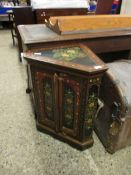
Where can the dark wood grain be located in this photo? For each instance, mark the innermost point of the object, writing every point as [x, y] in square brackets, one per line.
[104, 7]
[44, 14]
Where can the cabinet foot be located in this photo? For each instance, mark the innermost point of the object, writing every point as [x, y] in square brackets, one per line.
[28, 90]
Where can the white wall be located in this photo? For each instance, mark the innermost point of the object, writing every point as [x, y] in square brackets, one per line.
[126, 7]
[59, 4]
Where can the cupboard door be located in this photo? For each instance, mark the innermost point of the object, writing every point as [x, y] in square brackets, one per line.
[69, 102]
[46, 89]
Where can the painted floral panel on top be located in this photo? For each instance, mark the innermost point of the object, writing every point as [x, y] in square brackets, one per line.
[69, 54]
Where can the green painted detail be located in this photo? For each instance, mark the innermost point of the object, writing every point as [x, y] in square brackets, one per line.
[48, 99]
[69, 54]
[68, 107]
[91, 107]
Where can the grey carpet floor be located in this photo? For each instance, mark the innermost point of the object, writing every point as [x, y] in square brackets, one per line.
[24, 150]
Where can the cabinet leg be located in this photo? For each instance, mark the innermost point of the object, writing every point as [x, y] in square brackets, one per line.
[129, 56]
[28, 90]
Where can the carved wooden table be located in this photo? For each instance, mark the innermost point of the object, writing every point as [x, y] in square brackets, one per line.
[66, 81]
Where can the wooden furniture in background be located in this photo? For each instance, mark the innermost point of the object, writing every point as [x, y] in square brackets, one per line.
[21, 15]
[119, 7]
[42, 14]
[66, 83]
[36, 36]
[4, 8]
[83, 24]
[104, 7]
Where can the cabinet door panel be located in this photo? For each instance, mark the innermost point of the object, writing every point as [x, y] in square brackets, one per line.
[90, 111]
[88, 107]
[45, 88]
[69, 100]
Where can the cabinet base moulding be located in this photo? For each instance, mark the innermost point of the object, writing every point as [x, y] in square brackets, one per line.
[64, 138]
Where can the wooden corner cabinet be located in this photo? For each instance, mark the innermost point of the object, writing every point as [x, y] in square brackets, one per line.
[66, 83]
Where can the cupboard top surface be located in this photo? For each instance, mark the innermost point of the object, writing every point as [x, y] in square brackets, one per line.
[39, 33]
[72, 56]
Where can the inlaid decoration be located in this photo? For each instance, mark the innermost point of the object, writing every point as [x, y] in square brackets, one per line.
[48, 98]
[69, 101]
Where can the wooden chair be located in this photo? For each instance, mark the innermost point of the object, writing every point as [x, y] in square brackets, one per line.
[20, 15]
[11, 24]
